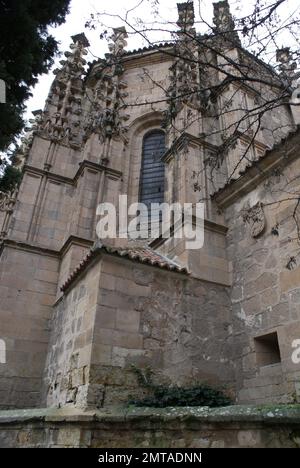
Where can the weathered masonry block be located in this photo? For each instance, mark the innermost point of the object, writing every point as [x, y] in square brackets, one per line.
[77, 312]
[196, 428]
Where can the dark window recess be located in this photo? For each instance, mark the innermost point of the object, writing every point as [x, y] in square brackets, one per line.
[267, 349]
[153, 169]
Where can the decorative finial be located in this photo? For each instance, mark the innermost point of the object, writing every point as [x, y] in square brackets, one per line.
[108, 116]
[287, 66]
[224, 21]
[81, 39]
[118, 45]
[73, 67]
[186, 17]
[61, 120]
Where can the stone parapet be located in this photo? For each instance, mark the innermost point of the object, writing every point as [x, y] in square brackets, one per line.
[231, 427]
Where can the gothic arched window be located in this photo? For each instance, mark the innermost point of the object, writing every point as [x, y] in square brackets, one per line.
[153, 169]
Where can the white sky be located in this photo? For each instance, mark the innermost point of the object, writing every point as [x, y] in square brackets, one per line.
[80, 13]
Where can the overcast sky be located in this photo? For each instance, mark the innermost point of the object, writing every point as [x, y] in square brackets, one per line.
[81, 10]
[75, 23]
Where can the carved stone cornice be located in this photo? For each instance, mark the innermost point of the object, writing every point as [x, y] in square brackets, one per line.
[280, 156]
[184, 140]
[27, 247]
[75, 240]
[34, 248]
[72, 181]
[98, 168]
[209, 226]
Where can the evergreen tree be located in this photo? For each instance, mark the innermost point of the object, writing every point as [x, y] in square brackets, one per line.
[10, 179]
[26, 51]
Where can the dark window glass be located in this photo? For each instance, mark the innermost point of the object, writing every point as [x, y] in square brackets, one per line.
[153, 169]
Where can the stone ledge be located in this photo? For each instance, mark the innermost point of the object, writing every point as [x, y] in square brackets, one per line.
[231, 427]
[267, 414]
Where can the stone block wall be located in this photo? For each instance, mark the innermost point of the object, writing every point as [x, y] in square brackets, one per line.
[266, 290]
[210, 263]
[70, 347]
[72, 254]
[121, 313]
[28, 280]
[62, 159]
[193, 428]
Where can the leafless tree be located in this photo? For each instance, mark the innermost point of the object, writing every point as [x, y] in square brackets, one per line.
[232, 72]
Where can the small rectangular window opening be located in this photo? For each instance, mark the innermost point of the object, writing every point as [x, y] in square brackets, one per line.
[267, 349]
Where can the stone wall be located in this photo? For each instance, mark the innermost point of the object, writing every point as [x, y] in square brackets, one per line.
[28, 280]
[266, 289]
[120, 313]
[198, 428]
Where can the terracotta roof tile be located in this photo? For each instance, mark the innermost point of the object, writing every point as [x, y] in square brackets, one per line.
[144, 255]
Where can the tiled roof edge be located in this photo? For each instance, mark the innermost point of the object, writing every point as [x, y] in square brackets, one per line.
[133, 254]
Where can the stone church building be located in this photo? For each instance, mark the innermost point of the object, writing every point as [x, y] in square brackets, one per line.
[78, 312]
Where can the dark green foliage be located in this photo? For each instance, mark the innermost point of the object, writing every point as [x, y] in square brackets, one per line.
[198, 395]
[164, 396]
[10, 179]
[26, 51]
